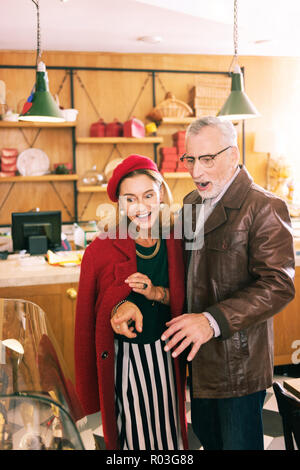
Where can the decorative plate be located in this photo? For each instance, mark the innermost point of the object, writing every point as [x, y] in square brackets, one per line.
[108, 170]
[33, 162]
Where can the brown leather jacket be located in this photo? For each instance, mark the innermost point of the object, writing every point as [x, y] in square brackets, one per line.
[243, 276]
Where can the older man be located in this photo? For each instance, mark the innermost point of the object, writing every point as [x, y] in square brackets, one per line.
[236, 281]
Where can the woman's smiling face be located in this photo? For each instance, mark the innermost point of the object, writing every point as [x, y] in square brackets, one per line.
[140, 197]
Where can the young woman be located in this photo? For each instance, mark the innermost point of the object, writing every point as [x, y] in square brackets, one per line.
[130, 286]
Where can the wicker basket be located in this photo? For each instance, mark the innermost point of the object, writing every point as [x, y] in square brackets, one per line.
[208, 96]
[170, 107]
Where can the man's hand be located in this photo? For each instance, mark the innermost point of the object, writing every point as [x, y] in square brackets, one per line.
[190, 328]
[127, 313]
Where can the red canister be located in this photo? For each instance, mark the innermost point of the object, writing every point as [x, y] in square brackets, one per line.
[114, 129]
[97, 129]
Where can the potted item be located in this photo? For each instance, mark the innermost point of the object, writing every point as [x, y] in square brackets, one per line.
[62, 168]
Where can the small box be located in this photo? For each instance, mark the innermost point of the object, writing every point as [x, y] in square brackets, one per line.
[11, 153]
[133, 128]
[169, 158]
[168, 150]
[9, 167]
[8, 160]
[179, 136]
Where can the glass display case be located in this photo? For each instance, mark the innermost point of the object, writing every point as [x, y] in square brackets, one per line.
[39, 407]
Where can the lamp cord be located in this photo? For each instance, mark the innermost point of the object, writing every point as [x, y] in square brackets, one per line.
[235, 35]
[38, 31]
[235, 28]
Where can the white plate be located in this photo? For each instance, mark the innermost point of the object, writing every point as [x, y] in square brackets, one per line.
[33, 162]
[108, 170]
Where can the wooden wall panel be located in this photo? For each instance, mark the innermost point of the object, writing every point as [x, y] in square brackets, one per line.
[114, 94]
[22, 197]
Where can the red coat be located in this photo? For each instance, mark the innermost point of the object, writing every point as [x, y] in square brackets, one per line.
[105, 266]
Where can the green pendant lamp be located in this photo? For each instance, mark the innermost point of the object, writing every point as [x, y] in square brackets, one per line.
[237, 106]
[41, 106]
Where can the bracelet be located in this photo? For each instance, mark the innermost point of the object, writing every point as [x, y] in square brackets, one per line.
[164, 297]
[117, 306]
[165, 294]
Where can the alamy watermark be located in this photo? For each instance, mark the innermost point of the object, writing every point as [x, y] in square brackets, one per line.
[296, 354]
[186, 224]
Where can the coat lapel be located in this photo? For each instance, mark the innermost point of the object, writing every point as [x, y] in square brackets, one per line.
[216, 218]
[176, 276]
[124, 268]
[233, 199]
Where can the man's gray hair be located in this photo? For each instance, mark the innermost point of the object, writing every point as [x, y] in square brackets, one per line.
[224, 126]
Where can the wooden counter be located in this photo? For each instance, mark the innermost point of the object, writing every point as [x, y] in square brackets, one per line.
[54, 289]
[13, 274]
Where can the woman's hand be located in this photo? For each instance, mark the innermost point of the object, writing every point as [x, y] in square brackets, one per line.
[141, 284]
[127, 313]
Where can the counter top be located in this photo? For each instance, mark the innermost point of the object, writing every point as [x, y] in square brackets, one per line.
[13, 274]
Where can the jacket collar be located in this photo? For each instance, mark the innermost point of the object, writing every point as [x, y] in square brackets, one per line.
[237, 191]
[233, 199]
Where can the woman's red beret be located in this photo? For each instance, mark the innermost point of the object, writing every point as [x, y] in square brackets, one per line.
[129, 164]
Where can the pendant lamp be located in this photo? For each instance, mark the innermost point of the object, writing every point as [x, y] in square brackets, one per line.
[237, 106]
[40, 106]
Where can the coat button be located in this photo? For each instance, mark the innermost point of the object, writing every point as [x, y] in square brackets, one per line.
[104, 355]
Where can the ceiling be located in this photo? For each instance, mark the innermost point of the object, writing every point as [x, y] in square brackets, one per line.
[266, 27]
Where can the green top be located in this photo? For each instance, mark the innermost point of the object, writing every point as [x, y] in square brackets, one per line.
[155, 314]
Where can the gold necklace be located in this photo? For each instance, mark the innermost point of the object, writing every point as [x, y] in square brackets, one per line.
[140, 255]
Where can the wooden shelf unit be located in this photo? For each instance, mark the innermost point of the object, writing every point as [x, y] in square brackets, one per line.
[37, 179]
[91, 189]
[76, 198]
[119, 140]
[16, 124]
[178, 121]
[176, 175]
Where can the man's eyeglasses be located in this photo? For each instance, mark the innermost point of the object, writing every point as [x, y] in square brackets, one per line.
[205, 160]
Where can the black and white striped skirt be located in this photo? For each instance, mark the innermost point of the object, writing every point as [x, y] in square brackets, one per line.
[146, 397]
